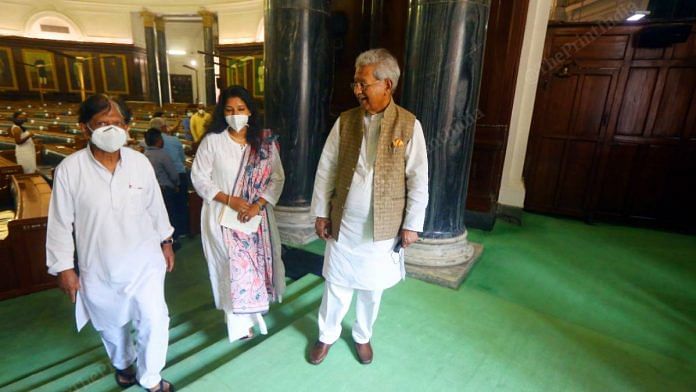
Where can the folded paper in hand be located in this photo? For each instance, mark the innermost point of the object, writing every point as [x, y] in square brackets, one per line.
[228, 218]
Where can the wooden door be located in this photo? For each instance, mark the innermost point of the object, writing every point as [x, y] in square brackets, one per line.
[650, 165]
[614, 129]
[182, 88]
[571, 116]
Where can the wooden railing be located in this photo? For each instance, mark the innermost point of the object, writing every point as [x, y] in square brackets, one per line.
[23, 251]
[7, 169]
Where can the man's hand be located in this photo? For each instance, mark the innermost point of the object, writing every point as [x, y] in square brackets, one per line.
[408, 237]
[322, 226]
[69, 282]
[168, 252]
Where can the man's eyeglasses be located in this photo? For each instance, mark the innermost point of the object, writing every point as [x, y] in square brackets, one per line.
[106, 123]
[363, 86]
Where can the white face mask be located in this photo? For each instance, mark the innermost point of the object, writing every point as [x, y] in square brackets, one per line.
[201, 112]
[237, 121]
[109, 138]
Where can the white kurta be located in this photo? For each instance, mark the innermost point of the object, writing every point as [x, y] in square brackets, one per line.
[119, 221]
[25, 153]
[356, 260]
[214, 170]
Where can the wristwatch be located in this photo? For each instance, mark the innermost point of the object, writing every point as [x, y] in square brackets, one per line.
[167, 241]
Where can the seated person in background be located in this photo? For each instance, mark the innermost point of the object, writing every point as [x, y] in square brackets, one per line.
[25, 154]
[184, 125]
[166, 174]
[175, 150]
[199, 123]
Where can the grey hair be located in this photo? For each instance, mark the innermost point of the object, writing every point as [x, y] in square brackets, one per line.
[157, 122]
[386, 65]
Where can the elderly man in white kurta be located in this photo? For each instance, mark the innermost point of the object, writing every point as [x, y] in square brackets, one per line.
[107, 195]
[370, 196]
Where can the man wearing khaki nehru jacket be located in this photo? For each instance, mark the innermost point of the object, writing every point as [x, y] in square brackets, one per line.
[370, 195]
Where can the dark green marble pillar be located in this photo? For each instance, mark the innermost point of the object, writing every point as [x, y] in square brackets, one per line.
[298, 54]
[444, 58]
[162, 60]
[151, 52]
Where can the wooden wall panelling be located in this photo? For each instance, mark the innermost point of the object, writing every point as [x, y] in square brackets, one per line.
[486, 170]
[681, 189]
[130, 52]
[656, 98]
[542, 175]
[9, 279]
[674, 104]
[574, 107]
[369, 24]
[28, 260]
[616, 179]
[686, 50]
[388, 21]
[8, 75]
[506, 24]
[229, 53]
[649, 182]
[633, 112]
[641, 157]
[182, 88]
[347, 47]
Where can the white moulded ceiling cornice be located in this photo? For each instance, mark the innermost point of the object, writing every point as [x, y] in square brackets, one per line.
[165, 6]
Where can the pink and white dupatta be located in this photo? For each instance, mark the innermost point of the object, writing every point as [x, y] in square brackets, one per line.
[251, 255]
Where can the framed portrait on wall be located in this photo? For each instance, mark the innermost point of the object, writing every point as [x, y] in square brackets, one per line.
[72, 72]
[114, 73]
[40, 67]
[237, 71]
[8, 77]
[231, 73]
[259, 75]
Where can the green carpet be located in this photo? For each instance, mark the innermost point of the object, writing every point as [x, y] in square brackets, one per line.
[554, 304]
[38, 330]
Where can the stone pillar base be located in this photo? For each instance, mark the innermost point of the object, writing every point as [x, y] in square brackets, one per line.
[445, 262]
[295, 224]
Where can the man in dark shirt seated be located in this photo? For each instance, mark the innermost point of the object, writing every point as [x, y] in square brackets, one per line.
[165, 171]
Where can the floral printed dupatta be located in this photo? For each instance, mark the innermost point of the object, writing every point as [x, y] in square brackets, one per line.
[251, 255]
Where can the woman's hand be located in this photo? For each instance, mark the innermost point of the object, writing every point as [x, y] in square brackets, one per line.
[238, 204]
[251, 212]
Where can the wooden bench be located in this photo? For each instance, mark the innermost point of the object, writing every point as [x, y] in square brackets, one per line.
[7, 169]
[23, 250]
[53, 154]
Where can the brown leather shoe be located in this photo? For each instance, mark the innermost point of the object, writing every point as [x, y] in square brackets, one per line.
[318, 352]
[364, 352]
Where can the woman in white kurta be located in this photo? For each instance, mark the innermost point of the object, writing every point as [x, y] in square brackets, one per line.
[225, 154]
[25, 153]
